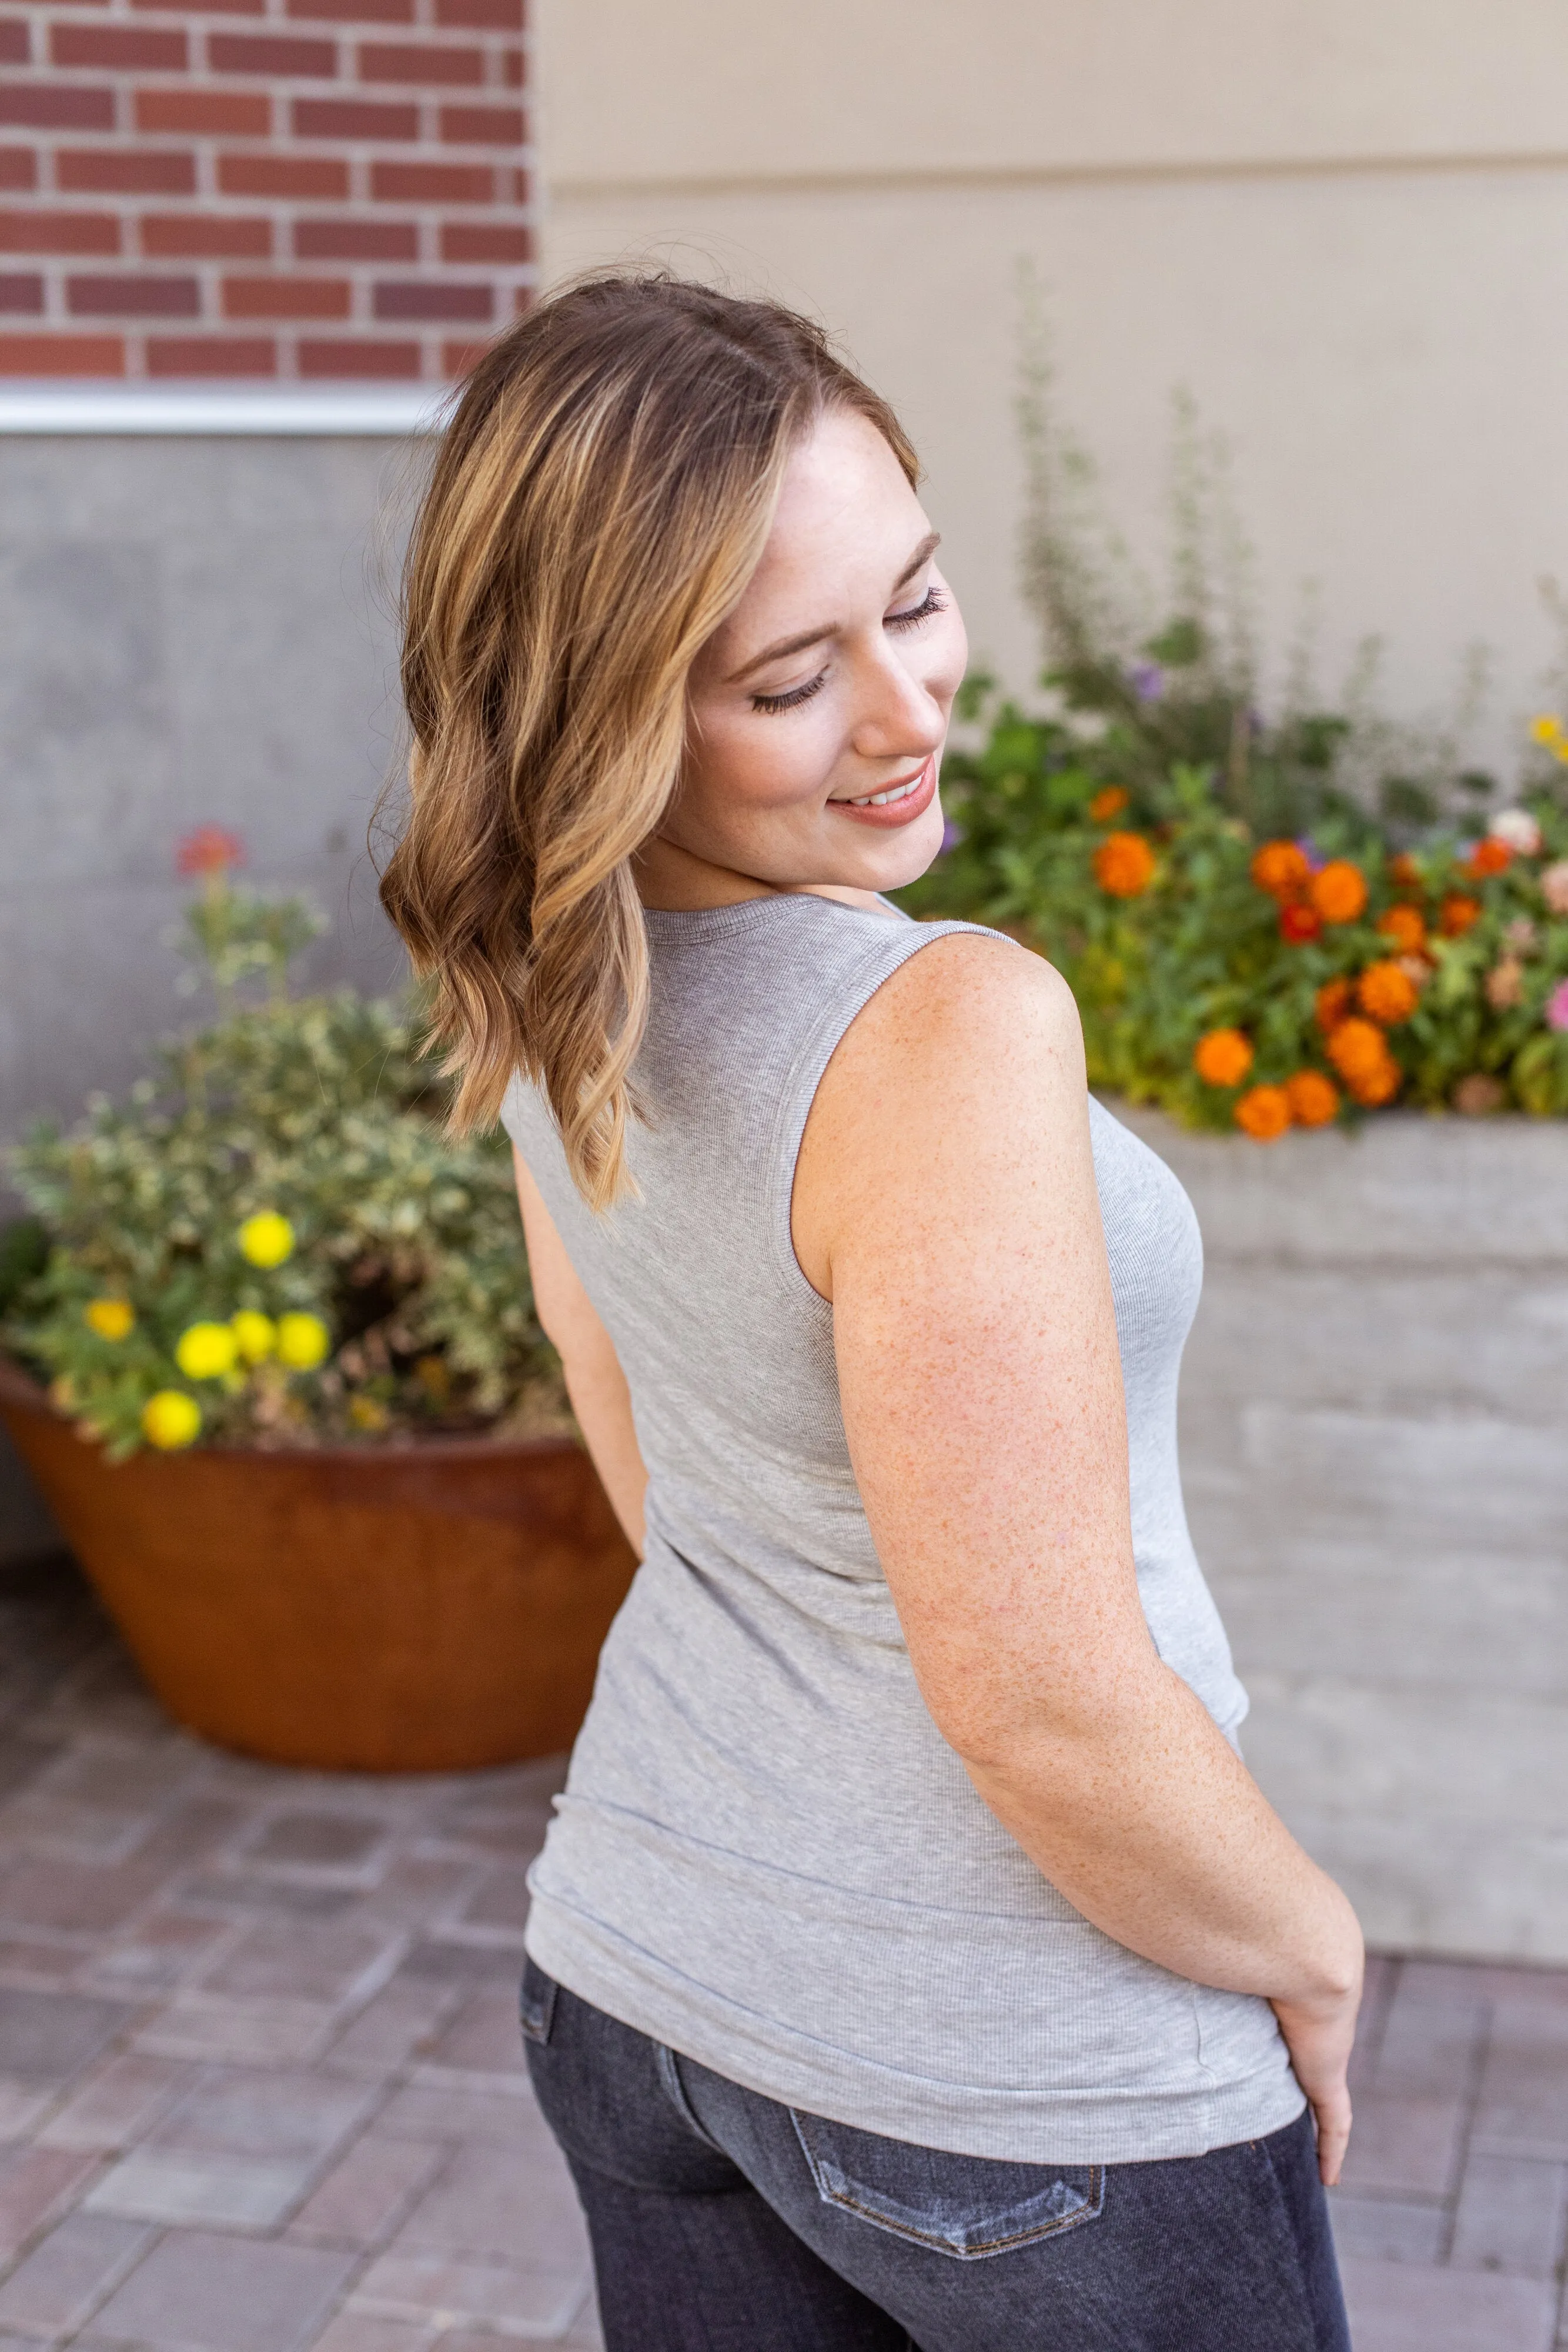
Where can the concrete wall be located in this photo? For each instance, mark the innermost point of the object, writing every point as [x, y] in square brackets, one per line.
[1374, 1448]
[190, 630]
[1341, 225]
[193, 631]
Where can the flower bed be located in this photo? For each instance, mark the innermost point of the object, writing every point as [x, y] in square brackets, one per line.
[1270, 919]
[1264, 982]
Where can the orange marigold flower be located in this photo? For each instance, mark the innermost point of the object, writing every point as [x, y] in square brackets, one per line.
[1107, 805]
[1359, 1052]
[1357, 1048]
[1488, 856]
[1388, 993]
[1313, 1099]
[1222, 1057]
[1298, 924]
[1378, 1084]
[1332, 1003]
[1282, 869]
[1263, 1113]
[1457, 915]
[1404, 871]
[1406, 925]
[1123, 865]
[1338, 891]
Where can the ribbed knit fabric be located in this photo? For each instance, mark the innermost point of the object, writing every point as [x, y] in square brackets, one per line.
[767, 1856]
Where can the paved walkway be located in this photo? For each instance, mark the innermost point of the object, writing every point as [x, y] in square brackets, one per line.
[260, 2088]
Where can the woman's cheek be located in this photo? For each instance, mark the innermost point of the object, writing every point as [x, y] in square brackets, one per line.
[792, 765]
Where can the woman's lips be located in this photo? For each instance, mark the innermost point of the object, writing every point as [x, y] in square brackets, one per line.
[914, 803]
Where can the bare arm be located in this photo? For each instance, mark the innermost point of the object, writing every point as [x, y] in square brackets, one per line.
[595, 1379]
[945, 1200]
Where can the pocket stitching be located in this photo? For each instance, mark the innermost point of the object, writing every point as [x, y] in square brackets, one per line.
[1089, 2211]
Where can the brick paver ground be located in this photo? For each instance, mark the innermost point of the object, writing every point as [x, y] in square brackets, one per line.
[260, 2086]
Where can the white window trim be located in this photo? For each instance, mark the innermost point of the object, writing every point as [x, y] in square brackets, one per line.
[364, 410]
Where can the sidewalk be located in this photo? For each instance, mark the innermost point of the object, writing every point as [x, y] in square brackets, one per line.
[260, 2086]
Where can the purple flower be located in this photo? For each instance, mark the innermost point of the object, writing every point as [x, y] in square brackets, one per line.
[951, 835]
[1557, 1006]
[1148, 681]
[1312, 852]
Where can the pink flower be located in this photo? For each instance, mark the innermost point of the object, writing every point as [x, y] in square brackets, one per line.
[209, 850]
[1518, 829]
[1554, 886]
[1557, 1006]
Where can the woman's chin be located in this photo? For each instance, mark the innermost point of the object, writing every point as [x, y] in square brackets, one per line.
[903, 856]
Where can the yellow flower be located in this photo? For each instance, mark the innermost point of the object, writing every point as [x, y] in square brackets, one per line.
[303, 1341]
[266, 1239]
[112, 1319]
[255, 1336]
[206, 1350]
[1546, 730]
[366, 1413]
[171, 1419]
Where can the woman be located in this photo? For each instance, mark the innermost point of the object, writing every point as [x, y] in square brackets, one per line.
[912, 1958]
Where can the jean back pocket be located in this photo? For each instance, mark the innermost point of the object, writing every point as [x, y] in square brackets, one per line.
[965, 2206]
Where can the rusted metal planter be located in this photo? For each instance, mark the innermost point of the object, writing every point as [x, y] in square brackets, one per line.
[404, 1608]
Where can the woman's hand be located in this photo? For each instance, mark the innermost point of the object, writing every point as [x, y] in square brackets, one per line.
[1318, 2034]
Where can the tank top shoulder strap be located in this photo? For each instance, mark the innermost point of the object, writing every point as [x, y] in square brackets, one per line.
[868, 950]
[746, 1004]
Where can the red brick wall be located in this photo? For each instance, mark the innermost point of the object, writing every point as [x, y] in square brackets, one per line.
[299, 189]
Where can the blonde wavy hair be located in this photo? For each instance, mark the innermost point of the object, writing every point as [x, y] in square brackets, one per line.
[600, 501]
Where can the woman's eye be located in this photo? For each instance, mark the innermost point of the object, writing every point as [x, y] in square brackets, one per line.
[930, 605]
[796, 695]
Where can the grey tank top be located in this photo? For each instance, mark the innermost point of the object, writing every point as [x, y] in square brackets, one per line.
[766, 1857]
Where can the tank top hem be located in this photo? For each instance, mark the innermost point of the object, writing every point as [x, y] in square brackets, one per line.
[1140, 2124]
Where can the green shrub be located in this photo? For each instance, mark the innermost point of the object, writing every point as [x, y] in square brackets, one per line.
[397, 1252]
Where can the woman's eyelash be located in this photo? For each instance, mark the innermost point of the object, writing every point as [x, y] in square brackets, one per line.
[930, 605]
[797, 694]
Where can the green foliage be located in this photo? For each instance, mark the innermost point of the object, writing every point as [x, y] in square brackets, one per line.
[230, 934]
[321, 1110]
[1201, 947]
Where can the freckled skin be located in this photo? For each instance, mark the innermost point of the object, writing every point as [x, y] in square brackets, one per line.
[944, 1203]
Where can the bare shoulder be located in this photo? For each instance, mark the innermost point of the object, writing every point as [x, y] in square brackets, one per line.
[967, 1005]
[986, 971]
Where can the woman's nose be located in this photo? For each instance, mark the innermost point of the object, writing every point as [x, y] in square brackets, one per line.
[899, 714]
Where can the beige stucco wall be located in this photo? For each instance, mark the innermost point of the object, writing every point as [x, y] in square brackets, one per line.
[1345, 225]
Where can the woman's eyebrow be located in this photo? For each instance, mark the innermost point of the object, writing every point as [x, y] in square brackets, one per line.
[922, 555]
[798, 644]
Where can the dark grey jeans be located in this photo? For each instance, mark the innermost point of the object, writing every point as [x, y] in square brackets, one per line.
[723, 2223]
